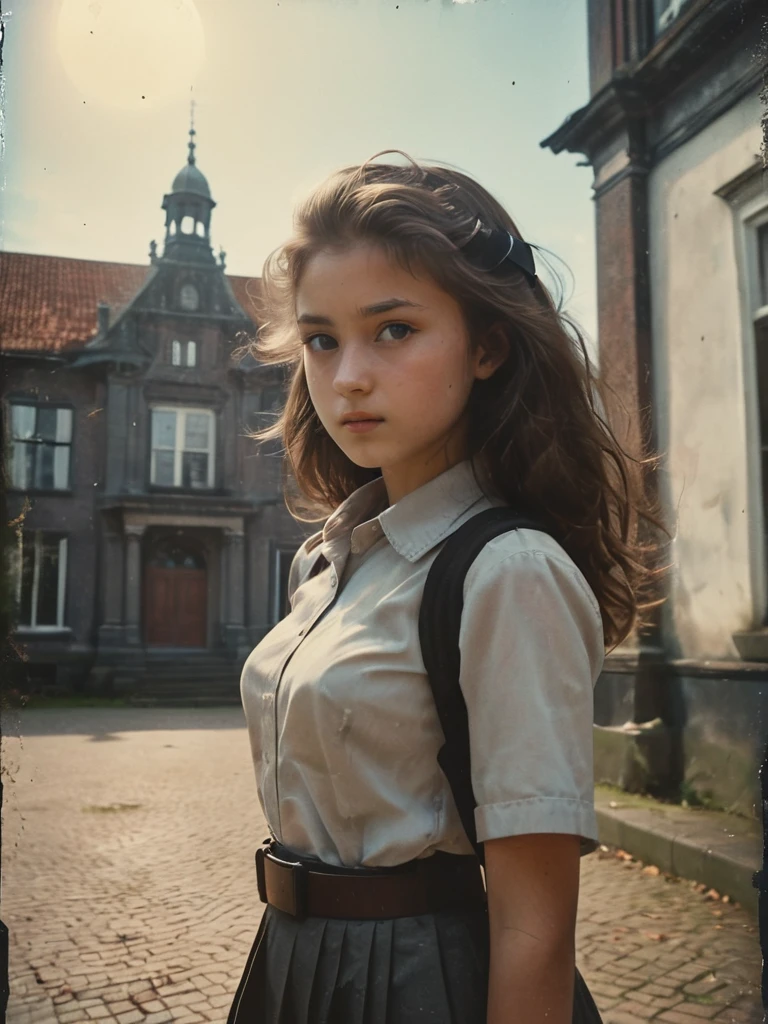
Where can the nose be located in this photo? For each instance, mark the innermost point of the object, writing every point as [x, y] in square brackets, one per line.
[353, 370]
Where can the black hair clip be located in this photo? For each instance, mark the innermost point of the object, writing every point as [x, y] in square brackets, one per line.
[488, 247]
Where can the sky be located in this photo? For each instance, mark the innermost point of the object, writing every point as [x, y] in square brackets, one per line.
[96, 105]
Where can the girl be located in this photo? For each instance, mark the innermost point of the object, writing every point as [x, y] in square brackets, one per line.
[433, 378]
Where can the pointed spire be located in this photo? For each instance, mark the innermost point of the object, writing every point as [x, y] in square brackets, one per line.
[192, 133]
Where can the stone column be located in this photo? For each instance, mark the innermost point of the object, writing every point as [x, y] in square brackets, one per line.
[234, 604]
[133, 536]
[112, 591]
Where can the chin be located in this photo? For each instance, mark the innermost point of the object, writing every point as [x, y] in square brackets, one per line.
[363, 461]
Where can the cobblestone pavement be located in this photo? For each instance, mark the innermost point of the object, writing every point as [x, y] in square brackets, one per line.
[129, 887]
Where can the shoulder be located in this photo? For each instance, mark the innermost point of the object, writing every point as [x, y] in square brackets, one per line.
[303, 561]
[528, 568]
[527, 555]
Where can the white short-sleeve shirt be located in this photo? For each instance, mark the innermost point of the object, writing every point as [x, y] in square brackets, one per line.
[342, 724]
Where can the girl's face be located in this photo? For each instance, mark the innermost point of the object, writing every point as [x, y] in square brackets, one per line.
[382, 343]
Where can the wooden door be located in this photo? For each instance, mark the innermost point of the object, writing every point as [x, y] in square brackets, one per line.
[175, 606]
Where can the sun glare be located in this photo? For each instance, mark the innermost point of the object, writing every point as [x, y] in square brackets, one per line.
[131, 54]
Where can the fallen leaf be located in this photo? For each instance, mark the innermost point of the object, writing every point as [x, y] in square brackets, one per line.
[654, 916]
[716, 913]
[652, 870]
[712, 894]
[655, 936]
[726, 899]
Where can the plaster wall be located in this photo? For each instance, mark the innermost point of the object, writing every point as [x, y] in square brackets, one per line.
[702, 387]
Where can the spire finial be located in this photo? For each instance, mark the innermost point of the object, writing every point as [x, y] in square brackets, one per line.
[192, 132]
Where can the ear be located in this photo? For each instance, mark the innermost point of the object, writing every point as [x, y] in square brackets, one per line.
[491, 352]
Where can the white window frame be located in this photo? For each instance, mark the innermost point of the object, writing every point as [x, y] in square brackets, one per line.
[61, 582]
[665, 19]
[749, 216]
[181, 413]
[12, 441]
[183, 353]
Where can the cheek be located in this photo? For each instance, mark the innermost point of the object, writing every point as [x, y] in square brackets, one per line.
[440, 372]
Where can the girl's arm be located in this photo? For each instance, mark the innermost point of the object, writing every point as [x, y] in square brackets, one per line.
[533, 889]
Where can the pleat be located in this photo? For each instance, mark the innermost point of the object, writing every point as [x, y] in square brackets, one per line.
[452, 961]
[246, 1005]
[304, 980]
[327, 972]
[281, 940]
[349, 1000]
[379, 974]
[417, 988]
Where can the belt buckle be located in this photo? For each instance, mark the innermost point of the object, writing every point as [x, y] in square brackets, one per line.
[261, 883]
[294, 900]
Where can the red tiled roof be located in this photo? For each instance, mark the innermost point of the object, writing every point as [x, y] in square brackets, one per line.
[48, 303]
[247, 292]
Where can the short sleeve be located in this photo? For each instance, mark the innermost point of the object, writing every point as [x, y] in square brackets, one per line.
[531, 645]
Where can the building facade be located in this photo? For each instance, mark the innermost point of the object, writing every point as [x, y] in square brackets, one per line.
[674, 132]
[151, 534]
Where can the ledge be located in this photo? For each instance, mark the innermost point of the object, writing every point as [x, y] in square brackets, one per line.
[721, 850]
[750, 668]
[752, 644]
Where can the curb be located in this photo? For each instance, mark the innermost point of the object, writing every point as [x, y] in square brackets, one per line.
[721, 850]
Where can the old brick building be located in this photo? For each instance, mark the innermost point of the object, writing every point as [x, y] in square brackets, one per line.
[152, 532]
[673, 133]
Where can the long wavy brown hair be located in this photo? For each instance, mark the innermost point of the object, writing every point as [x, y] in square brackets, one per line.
[536, 424]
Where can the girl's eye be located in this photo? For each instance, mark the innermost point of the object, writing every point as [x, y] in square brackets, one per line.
[398, 332]
[325, 343]
[320, 338]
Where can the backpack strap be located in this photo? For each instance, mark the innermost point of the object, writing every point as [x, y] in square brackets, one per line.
[439, 624]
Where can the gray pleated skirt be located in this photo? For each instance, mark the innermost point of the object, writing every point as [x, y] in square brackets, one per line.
[433, 967]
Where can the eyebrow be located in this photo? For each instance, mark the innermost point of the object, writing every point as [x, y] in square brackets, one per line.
[374, 310]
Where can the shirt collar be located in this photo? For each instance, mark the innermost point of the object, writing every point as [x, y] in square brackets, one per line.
[416, 523]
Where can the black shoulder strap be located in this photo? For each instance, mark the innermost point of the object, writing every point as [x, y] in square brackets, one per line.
[439, 624]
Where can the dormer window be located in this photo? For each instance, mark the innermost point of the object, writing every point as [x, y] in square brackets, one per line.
[189, 298]
[184, 353]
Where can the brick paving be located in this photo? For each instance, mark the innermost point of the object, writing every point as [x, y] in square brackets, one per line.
[129, 888]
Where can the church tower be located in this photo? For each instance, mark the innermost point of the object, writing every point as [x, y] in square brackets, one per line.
[188, 209]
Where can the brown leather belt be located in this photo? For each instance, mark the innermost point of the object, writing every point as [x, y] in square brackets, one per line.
[308, 889]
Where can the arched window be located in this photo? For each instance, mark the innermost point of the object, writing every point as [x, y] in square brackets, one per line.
[200, 229]
[183, 353]
[187, 225]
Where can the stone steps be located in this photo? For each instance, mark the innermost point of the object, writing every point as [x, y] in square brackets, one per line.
[186, 681]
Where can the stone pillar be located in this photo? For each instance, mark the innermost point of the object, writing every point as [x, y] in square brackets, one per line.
[233, 559]
[111, 628]
[611, 131]
[133, 536]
